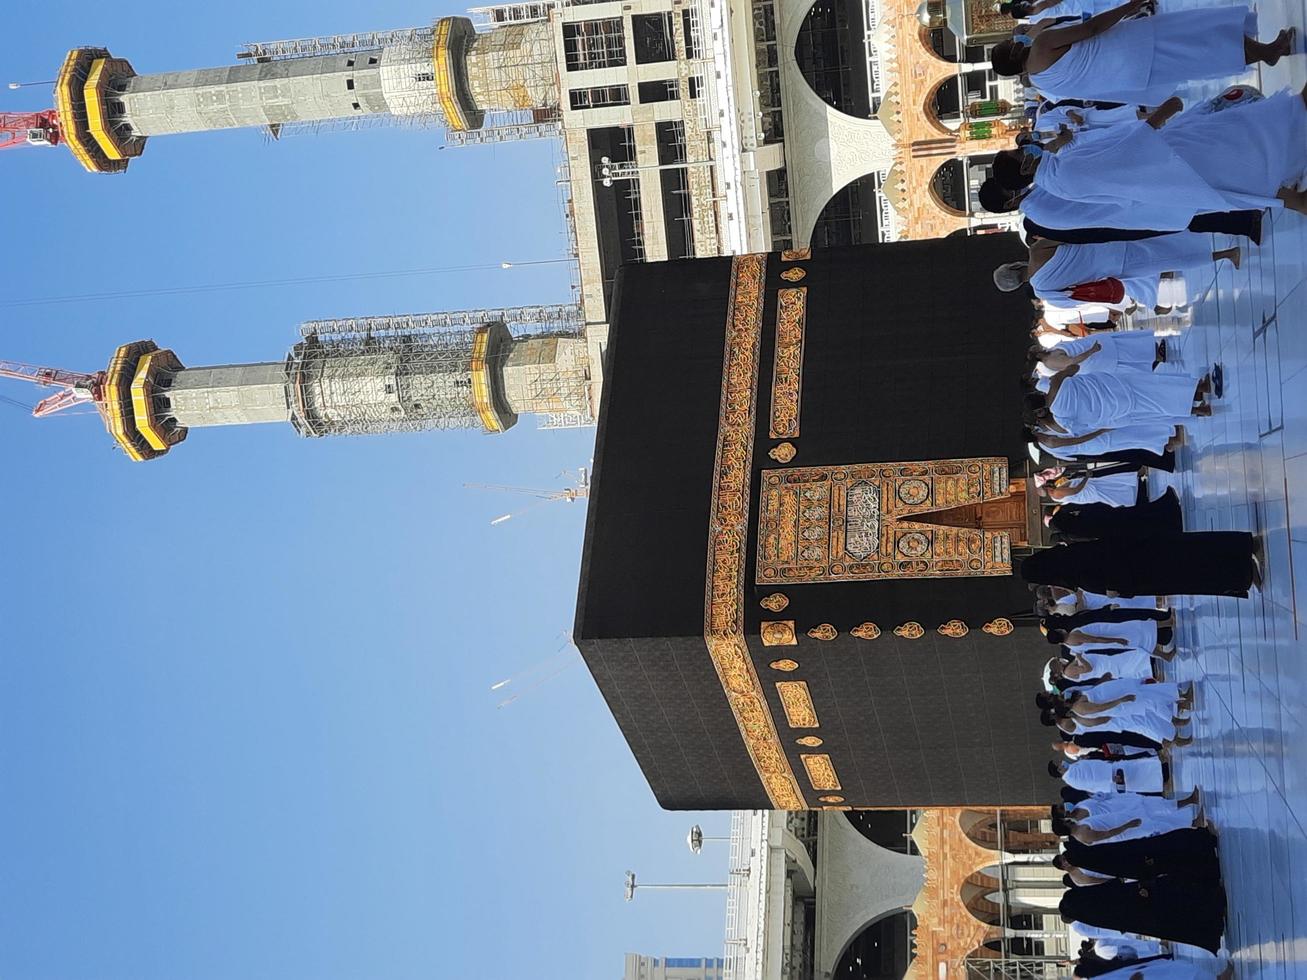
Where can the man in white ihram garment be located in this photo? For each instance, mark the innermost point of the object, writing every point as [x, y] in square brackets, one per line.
[1155, 815]
[1079, 404]
[1121, 943]
[1069, 602]
[1136, 350]
[1115, 490]
[1151, 437]
[1141, 60]
[1159, 726]
[1133, 634]
[1096, 666]
[1055, 270]
[1248, 156]
[1051, 117]
[1118, 776]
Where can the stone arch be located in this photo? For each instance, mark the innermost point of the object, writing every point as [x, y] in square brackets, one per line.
[928, 107]
[890, 932]
[937, 198]
[842, 88]
[976, 893]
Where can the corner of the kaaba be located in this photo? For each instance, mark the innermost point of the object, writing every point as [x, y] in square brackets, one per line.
[900, 691]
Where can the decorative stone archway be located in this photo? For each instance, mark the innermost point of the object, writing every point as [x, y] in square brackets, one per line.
[826, 149]
[954, 905]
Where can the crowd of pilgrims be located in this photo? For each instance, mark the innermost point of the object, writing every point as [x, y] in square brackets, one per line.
[1140, 867]
[1120, 189]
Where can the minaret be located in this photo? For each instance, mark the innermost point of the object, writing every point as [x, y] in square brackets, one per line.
[447, 74]
[459, 370]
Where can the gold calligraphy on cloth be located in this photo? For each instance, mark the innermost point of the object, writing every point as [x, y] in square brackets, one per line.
[787, 365]
[728, 531]
[880, 521]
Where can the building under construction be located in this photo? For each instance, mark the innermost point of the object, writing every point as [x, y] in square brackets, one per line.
[470, 369]
[448, 74]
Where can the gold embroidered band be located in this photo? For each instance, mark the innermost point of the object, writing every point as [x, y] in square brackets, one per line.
[728, 532]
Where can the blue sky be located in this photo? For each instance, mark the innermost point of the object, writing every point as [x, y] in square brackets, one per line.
[246, 727]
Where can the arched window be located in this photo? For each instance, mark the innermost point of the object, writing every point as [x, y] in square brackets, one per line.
[832, 55]
[882, 951]
[950, 190]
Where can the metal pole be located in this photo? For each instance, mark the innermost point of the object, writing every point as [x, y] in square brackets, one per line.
[631, 886]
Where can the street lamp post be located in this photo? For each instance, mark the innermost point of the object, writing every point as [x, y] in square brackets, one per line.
[695, 839]
[631, 886]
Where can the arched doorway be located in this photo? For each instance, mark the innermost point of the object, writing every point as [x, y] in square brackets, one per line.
[890, 829]
[831, 52]
[881, 951]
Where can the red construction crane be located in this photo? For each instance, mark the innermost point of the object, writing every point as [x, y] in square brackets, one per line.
[75, 388]
[29, 129]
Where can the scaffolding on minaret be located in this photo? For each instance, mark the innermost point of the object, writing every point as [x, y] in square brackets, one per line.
[462, 369]
[501, 78]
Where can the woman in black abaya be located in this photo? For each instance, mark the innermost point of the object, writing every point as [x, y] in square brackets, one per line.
[1173, 908]
[1189, 853]
[1166, 563]
[1087, 522]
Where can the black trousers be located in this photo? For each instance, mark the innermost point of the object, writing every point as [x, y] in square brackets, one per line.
[1134, 457]
[1244, 223]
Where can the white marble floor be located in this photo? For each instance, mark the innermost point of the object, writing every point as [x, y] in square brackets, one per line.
[1246, 468]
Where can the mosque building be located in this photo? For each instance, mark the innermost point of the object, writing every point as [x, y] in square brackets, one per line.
[916, 894]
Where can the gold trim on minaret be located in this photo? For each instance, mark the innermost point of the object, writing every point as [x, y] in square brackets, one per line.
[481, 399]
[728, 518]
[443, 68]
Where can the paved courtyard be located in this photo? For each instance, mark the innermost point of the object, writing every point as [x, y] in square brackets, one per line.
[1246, 467]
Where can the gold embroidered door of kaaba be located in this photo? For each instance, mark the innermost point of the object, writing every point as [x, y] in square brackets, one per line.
[880, 521]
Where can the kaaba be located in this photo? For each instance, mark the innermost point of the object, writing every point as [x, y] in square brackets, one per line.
[809, 489]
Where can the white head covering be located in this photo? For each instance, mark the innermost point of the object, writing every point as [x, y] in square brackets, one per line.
[1010, 276]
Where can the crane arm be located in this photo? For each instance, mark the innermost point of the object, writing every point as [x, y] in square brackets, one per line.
[29, 129]
[76, 387]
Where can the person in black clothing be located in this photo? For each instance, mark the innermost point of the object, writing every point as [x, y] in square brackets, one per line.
[1189, 852]
[1166, 563]
[1172, 907]
[1085, 522]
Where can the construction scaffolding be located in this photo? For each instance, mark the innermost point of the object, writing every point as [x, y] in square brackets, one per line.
[563, 318]
[312, 47]
[445, 370]
[369, 382]
[504, 127]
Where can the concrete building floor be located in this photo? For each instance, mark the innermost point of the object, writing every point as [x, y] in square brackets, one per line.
[1246, 468]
